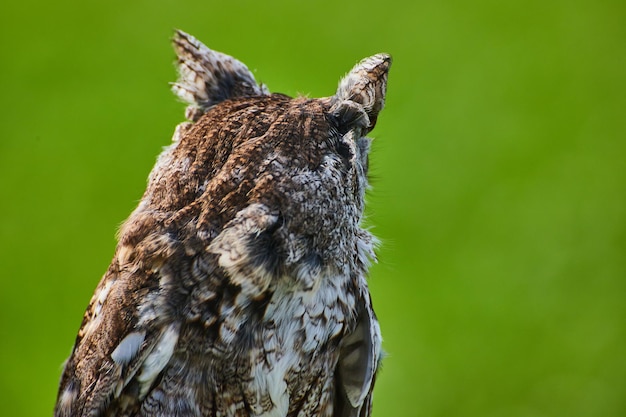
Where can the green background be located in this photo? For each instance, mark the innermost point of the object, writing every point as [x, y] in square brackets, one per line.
[498, 168]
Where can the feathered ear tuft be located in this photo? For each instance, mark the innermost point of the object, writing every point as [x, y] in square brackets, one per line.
[207, 77]
[361, 93]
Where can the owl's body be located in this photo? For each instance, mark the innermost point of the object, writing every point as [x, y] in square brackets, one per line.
[238, 286]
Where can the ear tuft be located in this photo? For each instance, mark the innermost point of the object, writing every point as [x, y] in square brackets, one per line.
[365, 85]
[207, 77]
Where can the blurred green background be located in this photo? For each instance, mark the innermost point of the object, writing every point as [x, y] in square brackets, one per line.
[498, 169]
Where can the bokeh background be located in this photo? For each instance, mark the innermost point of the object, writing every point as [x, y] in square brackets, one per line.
[498, 169]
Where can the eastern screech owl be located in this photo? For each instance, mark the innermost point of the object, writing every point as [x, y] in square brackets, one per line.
[238, 287]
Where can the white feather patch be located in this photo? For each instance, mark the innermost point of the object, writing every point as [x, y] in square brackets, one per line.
[128, 348]
[278, 392]
[98, 302]
[158, 359]
[66, 399]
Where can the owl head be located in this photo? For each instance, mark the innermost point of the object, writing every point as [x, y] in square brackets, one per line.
[272, 185]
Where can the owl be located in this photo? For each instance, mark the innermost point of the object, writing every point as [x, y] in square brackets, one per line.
[238, 286]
